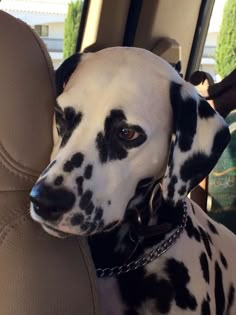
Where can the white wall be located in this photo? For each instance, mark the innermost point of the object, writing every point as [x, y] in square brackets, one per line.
[211, 39]
[56, 30]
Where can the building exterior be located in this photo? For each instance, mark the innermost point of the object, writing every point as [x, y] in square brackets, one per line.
[46, 17]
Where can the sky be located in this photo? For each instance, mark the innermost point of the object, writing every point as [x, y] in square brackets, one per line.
[217, 16]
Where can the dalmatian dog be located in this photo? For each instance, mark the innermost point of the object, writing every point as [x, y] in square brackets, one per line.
[132, 140]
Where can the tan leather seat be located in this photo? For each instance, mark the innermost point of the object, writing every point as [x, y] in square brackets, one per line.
[39, 274]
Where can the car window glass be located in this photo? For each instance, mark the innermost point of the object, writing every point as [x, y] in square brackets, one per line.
[56, 22]
[217, 81]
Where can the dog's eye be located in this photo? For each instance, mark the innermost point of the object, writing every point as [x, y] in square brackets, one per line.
[128, 134]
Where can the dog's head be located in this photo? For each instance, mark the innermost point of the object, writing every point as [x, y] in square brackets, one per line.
[125, 118]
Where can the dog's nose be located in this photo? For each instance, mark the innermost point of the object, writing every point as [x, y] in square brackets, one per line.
[50, 203]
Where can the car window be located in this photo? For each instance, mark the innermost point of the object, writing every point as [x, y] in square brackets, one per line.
[208, 61]
[55, 21]
[217, 81]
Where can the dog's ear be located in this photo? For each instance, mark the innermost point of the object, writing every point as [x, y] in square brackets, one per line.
[200, 135]
[178, 68]
[65, 70]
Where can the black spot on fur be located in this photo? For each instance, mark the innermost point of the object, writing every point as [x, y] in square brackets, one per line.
[58, 180]
[170, 161]
[48, 168]
[205, 309]
[192, 231]
[199, 165]
[205, 267]
[231, 297]
[185, 117]
[212, 227]
[65, 70]
[68, 167]
[208, 297]
[75, 162]
[219, 290]
[85, 226]
[102, 147]
[209, 238]
[176, 99]
[206, 242]
[71, 121]
[179, 278]
[110, 146]
[60, 120]
[88, 171]
[92, 227]
[77, 159]
[187, 124]
[182, 190]
[171, 187]
[204, 110]
[221, 140]
[168, 214]
[98, 214]
[89, 208]
[195, 168]
[223, 260]
[85, 199]
[178, 67]
[79, 182]
[164, 296]
[77, 219]
[137, 288]
[172, 147]
[109, 202]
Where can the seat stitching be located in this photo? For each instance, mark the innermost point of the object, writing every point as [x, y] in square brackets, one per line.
[13, 170]
[16, 222]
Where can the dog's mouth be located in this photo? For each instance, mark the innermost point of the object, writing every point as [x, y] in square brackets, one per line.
[67, 231]
[62, 234]
[54, 232]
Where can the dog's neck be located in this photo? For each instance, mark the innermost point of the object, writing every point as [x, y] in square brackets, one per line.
[127, 242]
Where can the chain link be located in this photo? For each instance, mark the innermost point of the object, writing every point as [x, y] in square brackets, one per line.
[155, 253]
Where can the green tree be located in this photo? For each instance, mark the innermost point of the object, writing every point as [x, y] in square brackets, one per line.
[226, 44]
[71, 27]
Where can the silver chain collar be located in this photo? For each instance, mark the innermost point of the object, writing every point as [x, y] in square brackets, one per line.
[142, 261]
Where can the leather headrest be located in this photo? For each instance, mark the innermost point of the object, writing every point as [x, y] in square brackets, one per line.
[26, 105]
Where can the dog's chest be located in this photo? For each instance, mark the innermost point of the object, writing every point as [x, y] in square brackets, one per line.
[195, 276]
[110, 299]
